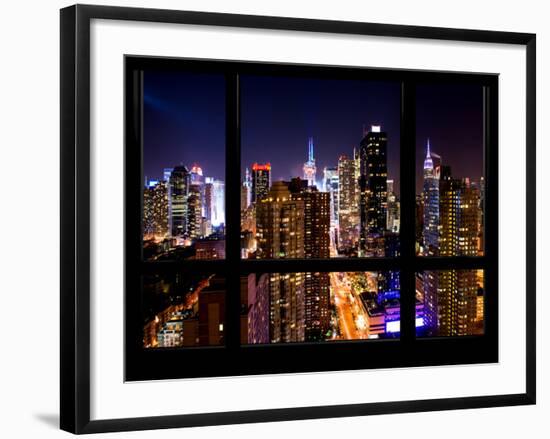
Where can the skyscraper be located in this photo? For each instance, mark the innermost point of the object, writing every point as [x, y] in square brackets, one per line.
[373, 190]
[316, 245]
[348, 219]
[393, 215]
[218, 203]
[430, 195]
[179, 192]
[331, 185]
[450, 296]
[246, 190]
[155, 210]
[280, 224]
[261, 181]
[280, 234]
[310, 170]
[194, 217]
[208, 198]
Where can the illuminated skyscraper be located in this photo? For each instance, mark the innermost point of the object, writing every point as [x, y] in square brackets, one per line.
[393, 215]
[330, 185]
[280, 234]
[155, 210]
[179, 192]
[208, 198]
[373, 190]
[348, 218]
[316, 245]
[246, 190]
[194, 217]
[450, 296]
[430, 196]
[280, 224]
[196, 181]
[218, 203]
[261, 181]
[310, 170]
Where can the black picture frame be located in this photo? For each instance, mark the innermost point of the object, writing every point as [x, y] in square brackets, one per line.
[75, 217]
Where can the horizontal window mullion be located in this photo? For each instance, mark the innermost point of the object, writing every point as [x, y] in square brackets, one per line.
[305, 265]
[212, 265]
[450, 263]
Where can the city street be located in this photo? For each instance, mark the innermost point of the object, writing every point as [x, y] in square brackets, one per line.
[351, 317]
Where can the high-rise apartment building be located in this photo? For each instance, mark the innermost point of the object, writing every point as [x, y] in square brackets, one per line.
[316, 245]
[280, 234]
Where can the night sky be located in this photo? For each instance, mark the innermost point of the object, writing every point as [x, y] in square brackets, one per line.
[184, 123]
[279, 114]
[452, 117]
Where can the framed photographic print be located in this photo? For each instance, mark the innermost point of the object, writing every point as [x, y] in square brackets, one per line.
[256, 210]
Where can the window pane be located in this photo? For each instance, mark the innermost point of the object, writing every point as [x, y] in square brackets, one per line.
[320, 163]
[449, 303]
[319, 307]
[183, 165]
[450, 183]
[183, 310]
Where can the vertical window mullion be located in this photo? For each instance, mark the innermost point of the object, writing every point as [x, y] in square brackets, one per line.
[408, 218]
[490, 209]
[233, 212]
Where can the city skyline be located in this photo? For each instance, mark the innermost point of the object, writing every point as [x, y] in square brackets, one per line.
[450, 115]
[310, 189]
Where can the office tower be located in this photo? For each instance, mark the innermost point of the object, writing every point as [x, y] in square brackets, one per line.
[330, 185]
[218, 203]
[393, 213]
[155, 210]
[316, 245]
[194, 219]
[310, 170]
[258, 307]
[373, 191]
[197, 180]
[347, 204]
[179, 191]
[208, 198]
[430, 198]
[261, 181]
[280, 234]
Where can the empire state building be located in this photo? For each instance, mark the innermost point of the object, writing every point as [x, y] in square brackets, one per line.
[309, 167]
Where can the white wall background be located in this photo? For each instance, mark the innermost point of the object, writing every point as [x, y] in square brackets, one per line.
[29, 169]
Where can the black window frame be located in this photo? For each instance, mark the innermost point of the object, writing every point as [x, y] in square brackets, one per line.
[234, 359]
